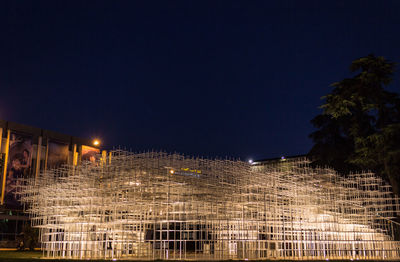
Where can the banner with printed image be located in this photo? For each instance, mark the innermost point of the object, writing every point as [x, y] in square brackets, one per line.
[90, 153]
[19, 166]
[57, 154]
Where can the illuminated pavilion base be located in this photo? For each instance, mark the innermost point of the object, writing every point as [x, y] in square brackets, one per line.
[166, 206]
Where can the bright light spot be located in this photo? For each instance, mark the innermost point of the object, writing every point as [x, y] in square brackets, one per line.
[172, 171]
[96, 142]
[251, 161]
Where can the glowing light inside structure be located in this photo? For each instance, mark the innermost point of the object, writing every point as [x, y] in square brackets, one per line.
[132, 207]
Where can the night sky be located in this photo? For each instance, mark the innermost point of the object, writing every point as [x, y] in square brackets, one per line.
[211, 78]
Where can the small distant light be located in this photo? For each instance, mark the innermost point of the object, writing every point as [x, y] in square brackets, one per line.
[251, 161]
[282, 157]
[96, 142]
[114, 259]
[172, 171]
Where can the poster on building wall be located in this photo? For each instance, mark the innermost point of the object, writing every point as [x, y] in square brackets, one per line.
[90, 153]
[57, 154]
[19, 166]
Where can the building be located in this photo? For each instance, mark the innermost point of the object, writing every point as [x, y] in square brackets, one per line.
[26, 151]
[155, 205]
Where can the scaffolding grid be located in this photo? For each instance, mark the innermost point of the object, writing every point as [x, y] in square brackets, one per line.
[156, 205]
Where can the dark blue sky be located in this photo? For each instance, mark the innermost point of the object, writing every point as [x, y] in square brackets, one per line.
[212, 78]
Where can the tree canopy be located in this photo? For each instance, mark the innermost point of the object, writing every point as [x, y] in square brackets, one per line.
[359, 128]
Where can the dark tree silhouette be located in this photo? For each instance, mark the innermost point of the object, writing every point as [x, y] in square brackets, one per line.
[359, 128]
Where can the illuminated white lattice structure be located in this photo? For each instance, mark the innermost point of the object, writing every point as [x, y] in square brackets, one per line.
[166, 206]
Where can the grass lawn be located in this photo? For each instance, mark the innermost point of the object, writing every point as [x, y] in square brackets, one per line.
[20, 255]
[28, 256]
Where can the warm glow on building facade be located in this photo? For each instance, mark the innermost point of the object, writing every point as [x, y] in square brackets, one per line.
[166, 206]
